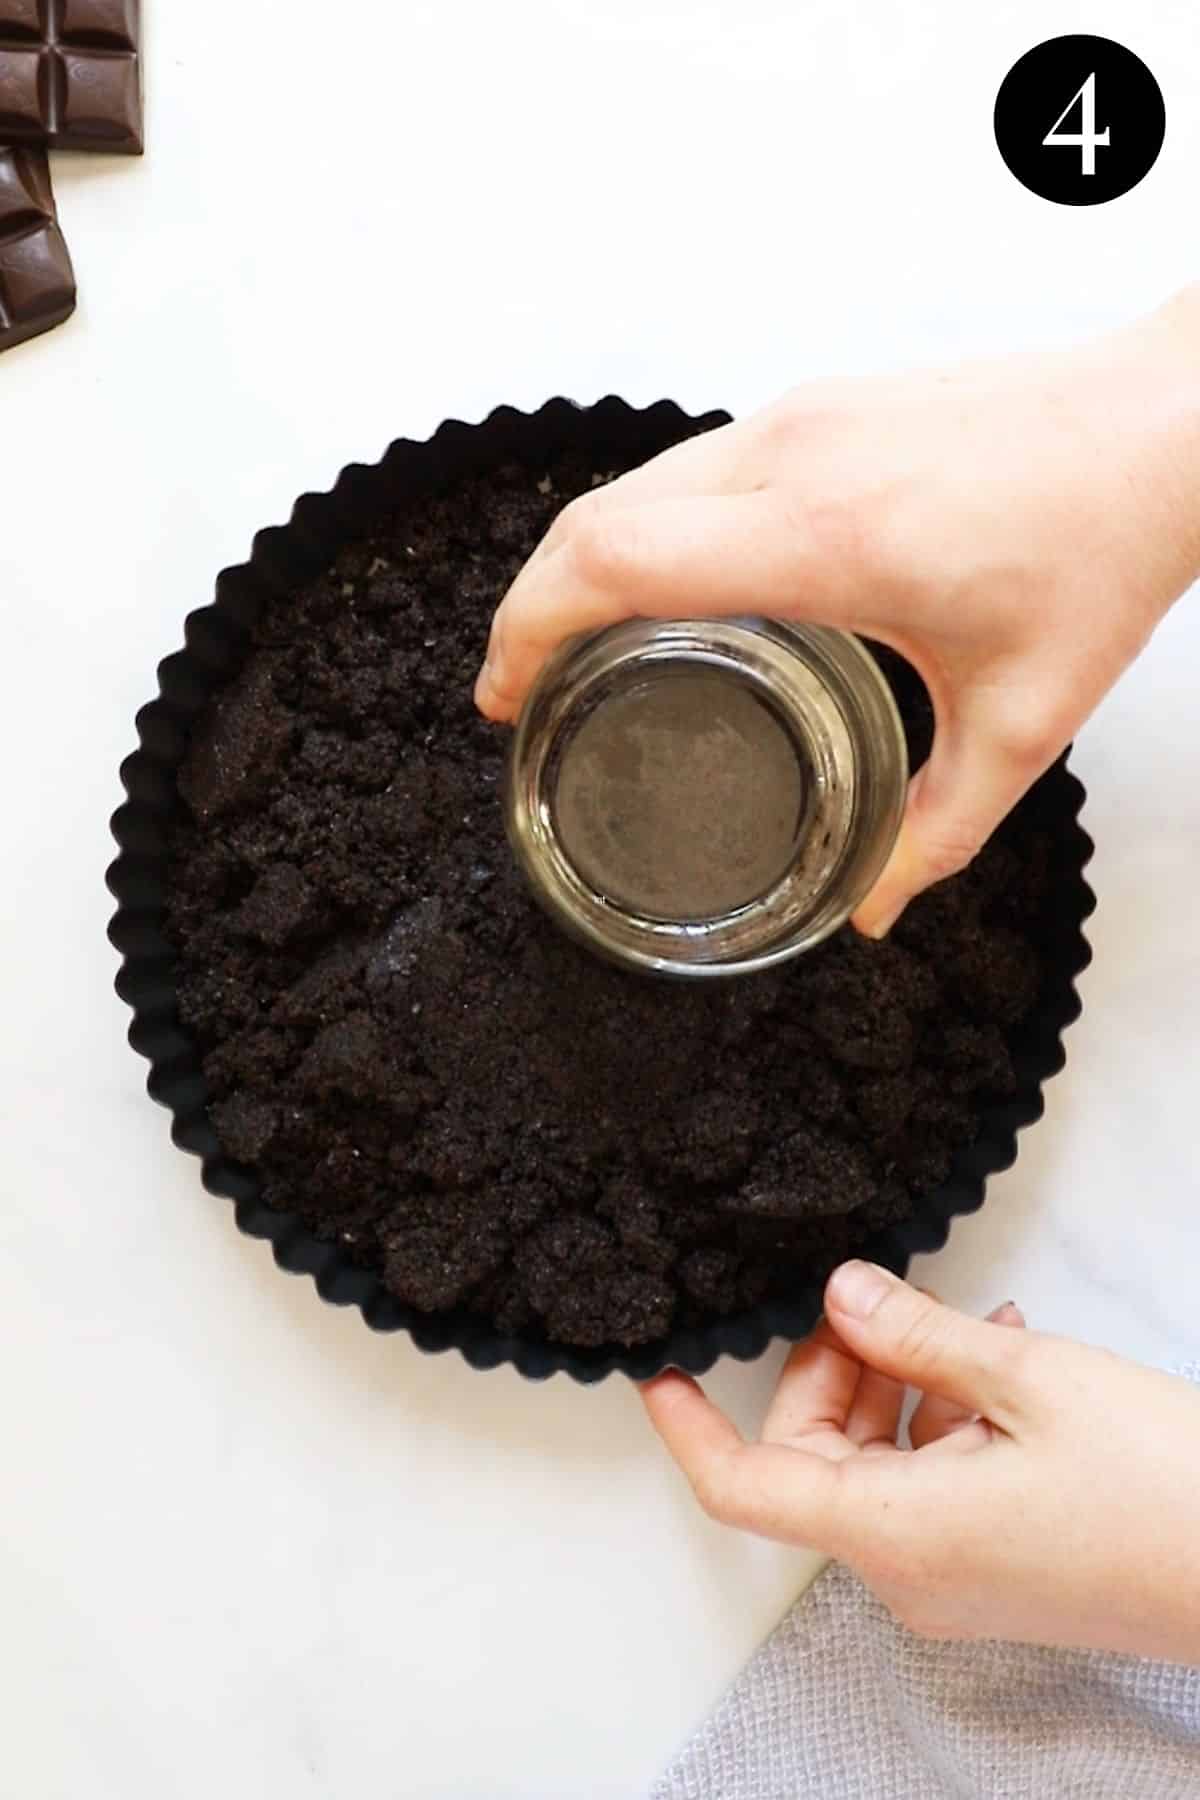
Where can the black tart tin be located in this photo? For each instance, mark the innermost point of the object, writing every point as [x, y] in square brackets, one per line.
[216, 640]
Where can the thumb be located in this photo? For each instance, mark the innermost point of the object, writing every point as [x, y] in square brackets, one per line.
[973, 778]
[904, 1333]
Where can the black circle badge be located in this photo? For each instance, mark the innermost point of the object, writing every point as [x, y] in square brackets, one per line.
[1080, 120]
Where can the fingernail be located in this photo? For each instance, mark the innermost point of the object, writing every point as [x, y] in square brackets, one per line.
[493, 668]
[488, 689]
[1008, 1314]
[858, 1288]
[875, 922]
[880, 927]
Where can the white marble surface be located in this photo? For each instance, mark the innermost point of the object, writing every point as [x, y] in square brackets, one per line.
[245, 1546]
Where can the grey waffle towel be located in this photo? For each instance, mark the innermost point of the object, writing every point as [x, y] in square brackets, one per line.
[842, 1703]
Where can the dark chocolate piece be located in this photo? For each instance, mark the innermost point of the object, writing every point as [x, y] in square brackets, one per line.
[37, 283]
[70, 74]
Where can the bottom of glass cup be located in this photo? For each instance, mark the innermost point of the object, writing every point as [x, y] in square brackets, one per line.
[706, 796]
[682, 797]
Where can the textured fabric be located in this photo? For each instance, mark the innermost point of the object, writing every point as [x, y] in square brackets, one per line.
[842, 1703]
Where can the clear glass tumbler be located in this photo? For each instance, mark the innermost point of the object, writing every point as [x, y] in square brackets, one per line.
[706, 797]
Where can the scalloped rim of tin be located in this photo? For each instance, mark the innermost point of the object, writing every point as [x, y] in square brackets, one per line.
[216, 638]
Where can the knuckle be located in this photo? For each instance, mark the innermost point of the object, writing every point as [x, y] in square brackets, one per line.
[599, 545]
[712, 1490]
[861, 530]
[837, 526]
[723, 1491]
[1026, 738]
[808, 414]
[921, 1340]
[779, 424]
[569, 517]
[947, 852]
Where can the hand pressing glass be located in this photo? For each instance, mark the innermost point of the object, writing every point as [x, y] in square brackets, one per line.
[1016, 528]
[1049, 1497]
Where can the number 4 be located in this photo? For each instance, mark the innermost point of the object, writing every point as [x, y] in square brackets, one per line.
[1086, 138]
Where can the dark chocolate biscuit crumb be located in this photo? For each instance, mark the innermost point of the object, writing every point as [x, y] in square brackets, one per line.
[424, 1068]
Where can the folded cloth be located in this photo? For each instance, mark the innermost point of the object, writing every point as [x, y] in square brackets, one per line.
[842, 1703]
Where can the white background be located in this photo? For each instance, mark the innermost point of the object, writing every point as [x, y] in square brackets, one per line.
[245, 1547]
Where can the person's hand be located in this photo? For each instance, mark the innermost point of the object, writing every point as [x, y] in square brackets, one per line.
[1014, 528]
[1050, 1496]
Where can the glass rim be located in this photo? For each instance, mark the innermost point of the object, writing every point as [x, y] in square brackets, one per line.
[829, 692]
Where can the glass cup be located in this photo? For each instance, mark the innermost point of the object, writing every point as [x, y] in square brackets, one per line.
[706, 797]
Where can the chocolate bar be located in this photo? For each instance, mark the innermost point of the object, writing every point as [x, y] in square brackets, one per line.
[70, 74]
[37, 283]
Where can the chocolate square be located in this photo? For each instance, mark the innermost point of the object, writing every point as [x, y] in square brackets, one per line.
[37, 283]
[70, 74]
[36, 278]
[23, 91]
[111, 23]
[24, 18]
